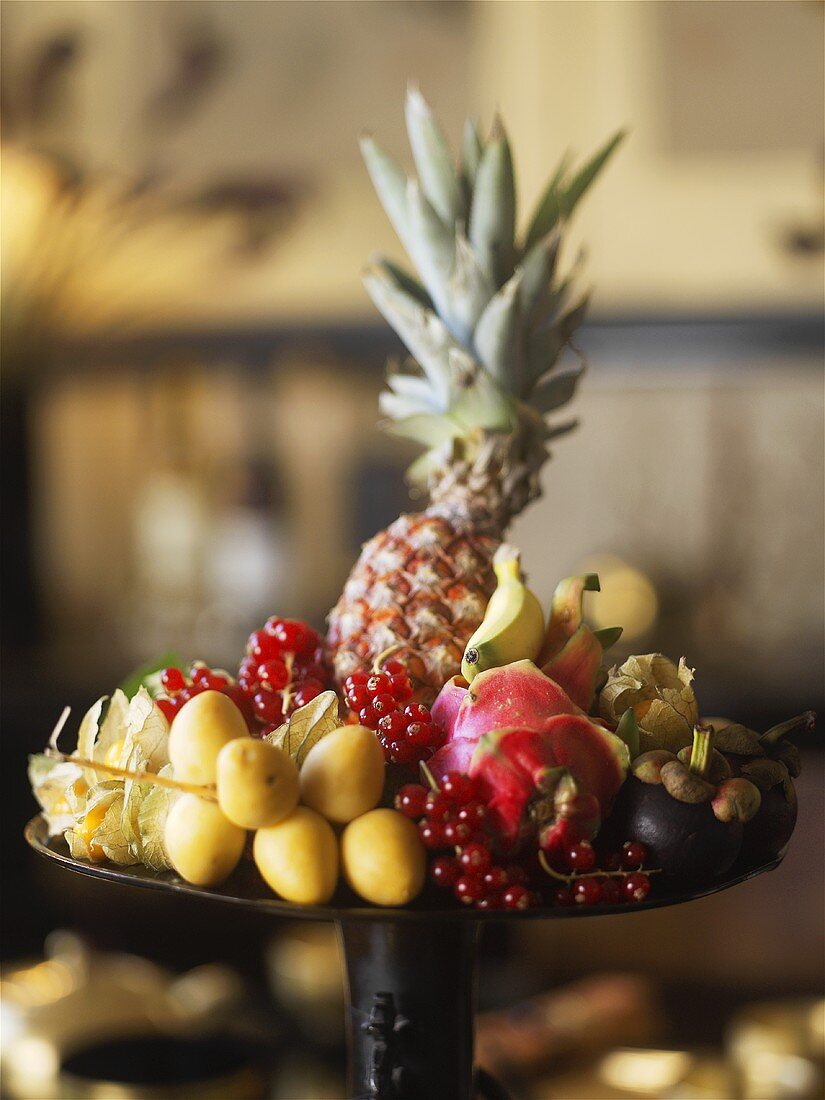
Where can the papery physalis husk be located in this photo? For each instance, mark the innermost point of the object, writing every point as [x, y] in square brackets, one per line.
[51, 781]
[135, 736]
[661, 696]
[306, 726]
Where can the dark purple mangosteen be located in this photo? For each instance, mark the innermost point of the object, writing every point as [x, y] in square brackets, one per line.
[771, 763]
[688, 809]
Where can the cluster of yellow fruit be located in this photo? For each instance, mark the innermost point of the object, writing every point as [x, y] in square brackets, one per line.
[240, 783]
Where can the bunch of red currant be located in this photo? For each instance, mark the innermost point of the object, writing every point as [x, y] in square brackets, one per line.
[454, 817]
[283, 669]
[381, 700]
[619, 880]
[179, 687]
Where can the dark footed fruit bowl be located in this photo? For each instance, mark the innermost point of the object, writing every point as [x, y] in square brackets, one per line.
[246, 888]
[410, 972]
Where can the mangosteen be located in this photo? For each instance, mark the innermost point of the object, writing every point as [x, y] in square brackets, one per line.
[688, 809]
[771, 763]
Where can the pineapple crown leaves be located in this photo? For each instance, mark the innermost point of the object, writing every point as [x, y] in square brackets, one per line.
[486, 321]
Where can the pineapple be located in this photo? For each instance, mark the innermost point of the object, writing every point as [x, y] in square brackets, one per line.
[485, 324]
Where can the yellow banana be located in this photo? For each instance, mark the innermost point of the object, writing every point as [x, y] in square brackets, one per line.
[513, 626]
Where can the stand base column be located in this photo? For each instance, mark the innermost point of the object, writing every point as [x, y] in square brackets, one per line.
[411, 1002]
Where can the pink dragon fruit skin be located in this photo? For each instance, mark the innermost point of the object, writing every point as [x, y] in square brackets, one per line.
[445, 709]
[515, 695]
[558, 781]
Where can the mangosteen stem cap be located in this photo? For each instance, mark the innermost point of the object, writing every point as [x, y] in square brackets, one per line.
[701, 754]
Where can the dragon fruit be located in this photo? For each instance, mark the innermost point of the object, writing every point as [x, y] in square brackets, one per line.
[515, 695]
[557, 782]
[572, 652]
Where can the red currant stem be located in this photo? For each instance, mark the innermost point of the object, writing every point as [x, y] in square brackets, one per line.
[560, 877]
[141, 776]
[379, 660]
[428, 776]
[775, 734]
[290, 690]
[702, 752]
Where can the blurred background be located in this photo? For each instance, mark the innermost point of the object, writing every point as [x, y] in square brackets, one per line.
[184, 221]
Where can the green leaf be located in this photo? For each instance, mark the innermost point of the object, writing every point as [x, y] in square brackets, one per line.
[405, 281]
[583, 179]
[469, 290]
[498, 334]
[430, 431]
[390, 183]
[538, 269]
[143, 673]
[433, 159]
[558, 200]
[493, 211]
[306, 726]
[479, 401]
[424, 333]
[556, 390]
[628, 731]
[471, 152]
[432, 247]
[548, 208]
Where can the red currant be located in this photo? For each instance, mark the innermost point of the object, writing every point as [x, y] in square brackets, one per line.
[634, 855]
[516, 897]
[469, 889]
[612, 892]
[293, 636]
[587, 891]
[444, 871]
[383, 704]
[262, 646]
[417, 712]
[437, 806]
[394, 667]
[358, 697]
[368, 717]
[456, 832]
[403, 752]
[393, 725]
[173, 680]
[458, 788]
[379, 684]
[516, 874]
[306, 693]
[411, 800]
[490, 901]
[495, 878]
[274, 673]
[581, 856]
[612, 861]
[168, 708]
[474, 858]
[400, 687]
[473, 814]
[563, 895]
[419, 734]
[636, 887]
[431, 834]
[312, 671]
[267, 705]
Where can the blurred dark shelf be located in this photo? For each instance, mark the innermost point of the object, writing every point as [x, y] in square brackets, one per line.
[648, 338]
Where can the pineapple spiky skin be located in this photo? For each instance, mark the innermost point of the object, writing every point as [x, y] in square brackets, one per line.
[422, 585]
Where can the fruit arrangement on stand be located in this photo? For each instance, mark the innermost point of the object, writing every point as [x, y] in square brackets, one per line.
[443, 744]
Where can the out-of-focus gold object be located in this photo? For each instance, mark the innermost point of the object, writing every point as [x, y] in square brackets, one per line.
[778, 1050]
[584, 1018]
[636, 1074]
[305, 974]
[75, 998]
